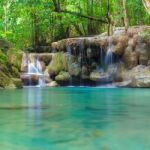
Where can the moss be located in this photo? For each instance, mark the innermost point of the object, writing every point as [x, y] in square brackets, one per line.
[59, 63]
[3, 57]
[17, 82]
[15, 57]
[63, 76]
[4, 45]
[4, 80]
[146, 36]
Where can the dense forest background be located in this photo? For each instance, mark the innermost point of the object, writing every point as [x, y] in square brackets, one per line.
[31, 23]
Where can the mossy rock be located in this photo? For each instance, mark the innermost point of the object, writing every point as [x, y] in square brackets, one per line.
[14, 72]
[59, 63]
[3, 58]
[15, 57]
[146, 37]
[63, 76]
[17, 82]
[4, 80]
[4, 45]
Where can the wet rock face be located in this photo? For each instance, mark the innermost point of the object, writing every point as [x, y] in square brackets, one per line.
[44, 58]
[144, 53]
[29, 80]
[59, 63]
[63, 76]
[84, 59]
[140, 77]
[74, 69]
[130, 58]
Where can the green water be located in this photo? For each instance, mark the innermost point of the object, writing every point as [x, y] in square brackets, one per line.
[75, 119]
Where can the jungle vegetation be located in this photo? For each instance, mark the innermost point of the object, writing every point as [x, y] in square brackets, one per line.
[31, 23]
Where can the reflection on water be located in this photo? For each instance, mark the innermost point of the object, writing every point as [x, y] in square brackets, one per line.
[34, 102]
[75, 119]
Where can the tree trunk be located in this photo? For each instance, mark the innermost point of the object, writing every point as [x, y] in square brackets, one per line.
[90, 12]
[126, 24]
[59, 10]
[109, 18]
[147, 5]
[6, 9]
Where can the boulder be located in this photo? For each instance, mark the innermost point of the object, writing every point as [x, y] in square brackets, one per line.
[74, 69]
[120, 45]
[17, 82]
[59, 63]
[95, 76]
[84, 72]
[5, 80]
[98, 76]
[123, 84]
[118, 49]
[15, 57]
[141, 81]
[52, 84]
[29, 79]
[63, 76]
[130, 58]
[143, 53]
[139, 76]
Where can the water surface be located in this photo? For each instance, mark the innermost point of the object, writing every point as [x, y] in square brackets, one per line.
[75, 119]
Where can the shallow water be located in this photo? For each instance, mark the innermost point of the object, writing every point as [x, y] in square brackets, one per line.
[75, 119]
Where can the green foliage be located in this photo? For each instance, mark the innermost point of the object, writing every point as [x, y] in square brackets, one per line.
[28, 23]
[3, 58]
[63, 76]
[59, 63]
[4, 79]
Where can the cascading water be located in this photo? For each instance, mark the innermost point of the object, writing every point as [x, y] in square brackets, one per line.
[81, 49]
[35, 69]
[109, 54]
[69, 59]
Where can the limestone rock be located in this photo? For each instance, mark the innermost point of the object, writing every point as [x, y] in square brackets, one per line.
[139, 76]
[59, 63]
[141, 81]
[97, 76]
[74, 69]
[144, 53]
[130, 58]
[63, 76]
[17, 82]
[84, 72]
[123, 84]
[29, 79]
[52, 84]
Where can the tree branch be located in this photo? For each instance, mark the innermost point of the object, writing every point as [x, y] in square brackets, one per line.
[59, 10]
[83, 16]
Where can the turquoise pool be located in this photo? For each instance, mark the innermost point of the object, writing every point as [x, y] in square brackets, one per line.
[75, 119]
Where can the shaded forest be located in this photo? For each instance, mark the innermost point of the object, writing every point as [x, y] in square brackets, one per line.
[32, 23]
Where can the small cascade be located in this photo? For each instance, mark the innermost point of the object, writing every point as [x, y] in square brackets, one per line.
[69, 59]
[101, 62]
[82, 59]
[109, 54]
[35, 70]
[101, 57]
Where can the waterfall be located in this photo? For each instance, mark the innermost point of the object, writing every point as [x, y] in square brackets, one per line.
[81, 51]
[69, 60]
[35, 69]
[109, 53]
